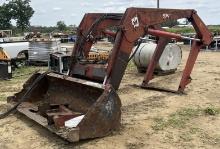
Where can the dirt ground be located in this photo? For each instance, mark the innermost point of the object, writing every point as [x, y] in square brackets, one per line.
[150, 119]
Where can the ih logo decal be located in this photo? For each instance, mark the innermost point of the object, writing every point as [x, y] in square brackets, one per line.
[135, 22]
[166, 16]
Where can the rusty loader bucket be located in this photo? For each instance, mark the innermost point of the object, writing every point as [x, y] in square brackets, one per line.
[72, 108]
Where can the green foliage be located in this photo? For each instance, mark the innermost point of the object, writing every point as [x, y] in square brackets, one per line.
[214, 28]
[6, 16]
[180, 118]
[18, 10]
[22, 12]
[182, 30]
[177, 120]
[159, 124]
[49, 29]
[170, 23]
[212, 111]
[42, 29]
[61, 26]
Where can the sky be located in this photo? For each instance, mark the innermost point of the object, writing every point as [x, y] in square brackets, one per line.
[48, 12]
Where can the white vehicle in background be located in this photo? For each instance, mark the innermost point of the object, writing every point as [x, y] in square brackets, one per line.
[14, 46]
[15, 49]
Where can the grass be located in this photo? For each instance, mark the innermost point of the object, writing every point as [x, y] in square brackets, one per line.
[19, 75]
[13, 85]
[180, 118]
[2, 97]
[212, 110]
[25, 71]
[187, 133]
[131, 66]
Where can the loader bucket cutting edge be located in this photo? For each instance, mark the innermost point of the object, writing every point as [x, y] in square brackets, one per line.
[91, 109]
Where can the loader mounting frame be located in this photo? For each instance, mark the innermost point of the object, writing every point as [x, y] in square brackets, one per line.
[86, 99]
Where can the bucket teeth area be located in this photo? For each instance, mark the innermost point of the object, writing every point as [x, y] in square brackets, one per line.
[71, 108]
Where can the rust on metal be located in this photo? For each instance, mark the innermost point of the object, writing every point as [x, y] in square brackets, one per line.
[59, 99]
[87, 96]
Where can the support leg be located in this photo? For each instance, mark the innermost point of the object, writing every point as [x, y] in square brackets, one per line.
[186, 79]
[162, 42]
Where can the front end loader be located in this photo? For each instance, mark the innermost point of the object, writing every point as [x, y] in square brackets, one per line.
[84, 104]
[52, 100]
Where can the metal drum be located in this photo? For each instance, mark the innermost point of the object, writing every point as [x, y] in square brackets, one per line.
[169, 60]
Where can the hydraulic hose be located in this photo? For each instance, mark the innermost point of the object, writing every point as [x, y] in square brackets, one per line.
[135, 51]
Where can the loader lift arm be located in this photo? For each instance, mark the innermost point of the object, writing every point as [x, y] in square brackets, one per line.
[133, 24]
[85, 103]
[138, 22]
[92, 26]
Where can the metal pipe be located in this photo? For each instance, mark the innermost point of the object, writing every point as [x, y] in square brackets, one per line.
[158, 3]
[189, 38]
[165, 34]
[110, 33]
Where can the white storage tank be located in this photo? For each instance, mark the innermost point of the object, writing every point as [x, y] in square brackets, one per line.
[169, 60]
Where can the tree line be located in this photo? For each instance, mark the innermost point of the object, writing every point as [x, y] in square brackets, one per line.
[60, 27]
[19, 11]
